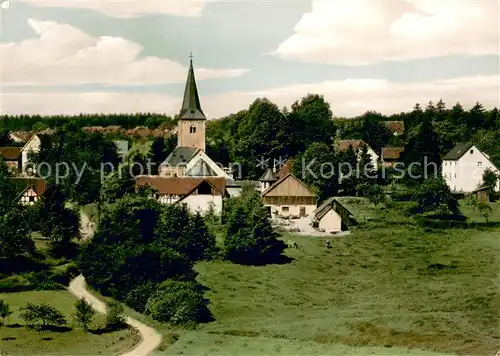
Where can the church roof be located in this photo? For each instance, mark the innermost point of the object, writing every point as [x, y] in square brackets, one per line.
[201, 169]
[191, 107]
[180, 155]
[268, 176]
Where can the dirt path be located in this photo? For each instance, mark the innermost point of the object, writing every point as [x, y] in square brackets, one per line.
[150, 338]
[87, 228]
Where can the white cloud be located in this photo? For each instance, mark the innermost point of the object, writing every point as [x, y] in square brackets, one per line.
[358, 32]
[62, 54]
[347, 98]
[130, 8]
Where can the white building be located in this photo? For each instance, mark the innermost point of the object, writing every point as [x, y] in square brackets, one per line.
[328, 216]
[289, 197]
[358, 146]
[464, 166]
[31, 147]
[197, 193]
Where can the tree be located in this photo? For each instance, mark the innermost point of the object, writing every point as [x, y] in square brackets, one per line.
[376, 195]
[116, 185]
[317, 168]
[490, 179]
[249, 236]
[8, 189]
[15, 241]
[59, 223]
[84, 313]
[366, 172]
[309, 120]
[4, 310]
[40, 316]
[349, 164]
[114, 316]
[178, 303]
[434, 195]
[485, 210]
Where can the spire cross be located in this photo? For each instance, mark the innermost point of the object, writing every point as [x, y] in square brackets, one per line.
[191, 56]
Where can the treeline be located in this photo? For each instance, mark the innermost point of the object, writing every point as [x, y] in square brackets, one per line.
[39, 123]
[264, 130]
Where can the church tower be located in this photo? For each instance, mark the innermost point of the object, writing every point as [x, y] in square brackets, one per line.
[192, 120]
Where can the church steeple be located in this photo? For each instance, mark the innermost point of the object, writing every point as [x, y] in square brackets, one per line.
[191, 107]
[192, 120]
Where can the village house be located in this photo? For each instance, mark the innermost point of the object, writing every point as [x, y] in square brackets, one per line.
[390, 156]
[397, 128]
[30, 189]
[12, 157]
[331, 216]
[31, 147]
[289, 197]
[358, 146]
[197, 193]
[463, 168]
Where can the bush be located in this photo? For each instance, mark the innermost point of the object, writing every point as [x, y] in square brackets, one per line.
[179, 303]
[84, 313]
[138, 298]
[4, 310]
[114, 317]
[16, 283]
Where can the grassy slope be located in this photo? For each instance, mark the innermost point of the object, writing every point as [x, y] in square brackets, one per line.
[23, 341]
[386, 287]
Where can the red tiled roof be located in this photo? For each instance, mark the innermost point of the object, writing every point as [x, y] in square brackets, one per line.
[10, 153]
[22, 135]
[39, 184]
[343, 145]
[391, 153]
[395, 126]
[179, 185]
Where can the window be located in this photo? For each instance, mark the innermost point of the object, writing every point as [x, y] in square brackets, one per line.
[479, 164]
[455, 175]
[192, 129]
[32, 198]
[445, 163]
[285, 209]
[471, 151]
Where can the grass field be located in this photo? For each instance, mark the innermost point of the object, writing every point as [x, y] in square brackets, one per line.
[16, 339]
[386, 289]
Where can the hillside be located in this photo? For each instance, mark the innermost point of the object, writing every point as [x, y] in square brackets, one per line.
[401, 287]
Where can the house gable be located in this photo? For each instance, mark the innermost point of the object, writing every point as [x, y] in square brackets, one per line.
[214, 169]
[289, 185]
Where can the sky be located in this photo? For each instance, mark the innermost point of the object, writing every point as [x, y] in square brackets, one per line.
[104, 56]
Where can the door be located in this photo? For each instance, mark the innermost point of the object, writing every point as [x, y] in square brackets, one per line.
[302, 211]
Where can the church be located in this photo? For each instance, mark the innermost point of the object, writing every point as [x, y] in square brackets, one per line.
[189, 175]
[189, 158]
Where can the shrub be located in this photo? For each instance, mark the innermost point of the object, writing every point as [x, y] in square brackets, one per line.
[114, 317]
[4, 310]
[178, 303]
[138, 297]
[15, 283]
[84, 313]
[40, 316]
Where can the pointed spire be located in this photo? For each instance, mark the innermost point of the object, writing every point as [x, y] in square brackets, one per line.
[191, 107]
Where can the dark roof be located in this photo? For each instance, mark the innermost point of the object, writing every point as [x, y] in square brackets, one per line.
[191, 107]
[268, 176]
[201, 169]
[10, 153]
[458, 151]
[38, 184]
[323, 208]
[391, 153]
[179, 185]
[240, 183]
[23, 136]
[180, 155]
